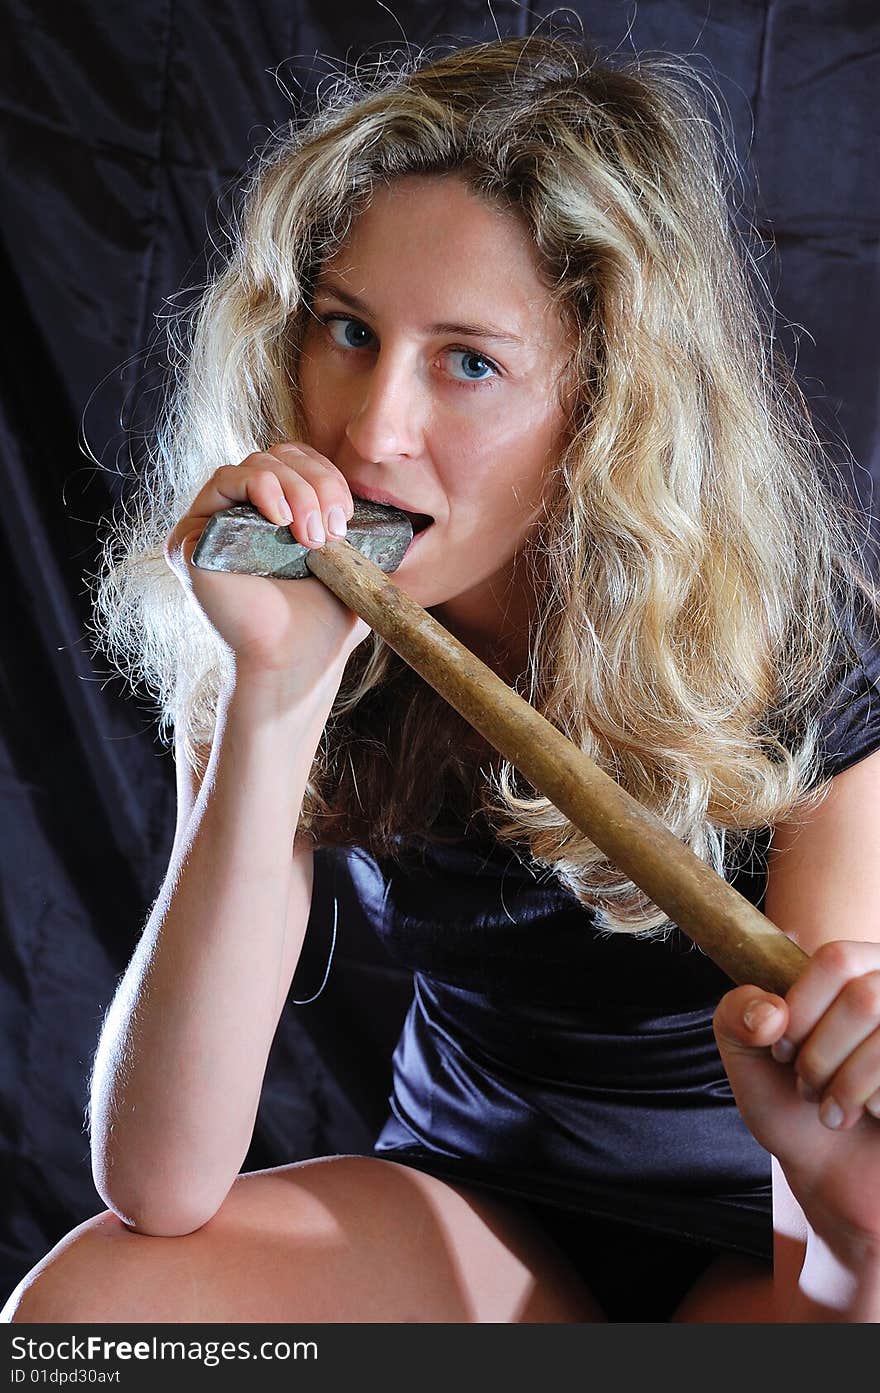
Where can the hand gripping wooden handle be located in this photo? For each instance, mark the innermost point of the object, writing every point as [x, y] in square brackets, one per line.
[738, 937]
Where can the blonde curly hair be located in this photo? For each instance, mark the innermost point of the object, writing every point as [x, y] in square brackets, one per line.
[698, 564]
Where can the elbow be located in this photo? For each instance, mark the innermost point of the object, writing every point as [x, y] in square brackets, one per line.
[155, 1219]
[158, 1223]
[153, 1214]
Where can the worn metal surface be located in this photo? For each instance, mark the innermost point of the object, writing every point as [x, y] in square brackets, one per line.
[241, 539]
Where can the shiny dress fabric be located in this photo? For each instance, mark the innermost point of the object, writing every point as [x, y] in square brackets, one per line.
[556, 1062]
[567, 1068]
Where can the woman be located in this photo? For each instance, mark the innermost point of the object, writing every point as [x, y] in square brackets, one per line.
[500, 291]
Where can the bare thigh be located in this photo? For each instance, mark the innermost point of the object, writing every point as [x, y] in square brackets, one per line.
[339, 1238]
[734, 1290]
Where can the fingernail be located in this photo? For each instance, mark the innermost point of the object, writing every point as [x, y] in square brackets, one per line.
[759, 1013]
[284, 511]
[873, 1104]
[783, 1050]
[831, 1113]
[336, 522]
[808, 1094]
[315, 529]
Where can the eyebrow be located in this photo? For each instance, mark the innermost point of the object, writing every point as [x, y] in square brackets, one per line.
[479, 331]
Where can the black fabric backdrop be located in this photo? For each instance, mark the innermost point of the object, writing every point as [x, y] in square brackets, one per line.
[123, 127]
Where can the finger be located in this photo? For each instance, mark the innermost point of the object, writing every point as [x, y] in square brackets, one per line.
[840, 1061]
[292, 497]
[293, 449]
[745, 1022]
[256, 477]
[273, 486]
[825, 974]
[855, 1088]
[330, 484]
[748, 1018]
[227, 485]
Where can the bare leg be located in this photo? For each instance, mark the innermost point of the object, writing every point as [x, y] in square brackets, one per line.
[340, 1238]
[733, 1290]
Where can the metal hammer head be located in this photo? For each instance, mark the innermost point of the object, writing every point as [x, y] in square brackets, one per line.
[241, 539]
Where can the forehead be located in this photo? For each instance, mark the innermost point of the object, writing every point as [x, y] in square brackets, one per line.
[431, 246]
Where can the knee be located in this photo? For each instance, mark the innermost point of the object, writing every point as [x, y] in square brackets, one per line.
[76, 1279]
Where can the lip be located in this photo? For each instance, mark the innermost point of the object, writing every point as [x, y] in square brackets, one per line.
[416, 539]
[377, 496]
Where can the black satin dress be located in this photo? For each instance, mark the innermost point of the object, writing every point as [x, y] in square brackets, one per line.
[574, 1072]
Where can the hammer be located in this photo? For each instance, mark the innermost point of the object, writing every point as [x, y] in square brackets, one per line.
[741, 940]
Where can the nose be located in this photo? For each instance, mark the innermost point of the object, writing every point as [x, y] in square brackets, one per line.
[386, 417]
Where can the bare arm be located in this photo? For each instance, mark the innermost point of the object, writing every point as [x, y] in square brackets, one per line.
[180, 1062]
[182, 1055]
[823, 889]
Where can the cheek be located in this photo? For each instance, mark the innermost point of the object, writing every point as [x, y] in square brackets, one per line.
[319, 389]
[501, 471]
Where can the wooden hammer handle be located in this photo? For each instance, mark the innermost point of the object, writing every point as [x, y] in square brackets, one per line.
[738, 937]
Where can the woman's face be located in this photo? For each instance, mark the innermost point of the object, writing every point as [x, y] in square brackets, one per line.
[428, 376]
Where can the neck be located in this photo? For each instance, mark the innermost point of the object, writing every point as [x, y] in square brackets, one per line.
[493, 620]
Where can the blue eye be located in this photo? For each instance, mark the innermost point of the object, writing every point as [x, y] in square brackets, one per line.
[351, 330]
[469, 359]
[348, 333]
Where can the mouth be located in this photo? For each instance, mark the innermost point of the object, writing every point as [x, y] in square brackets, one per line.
[420, 521]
